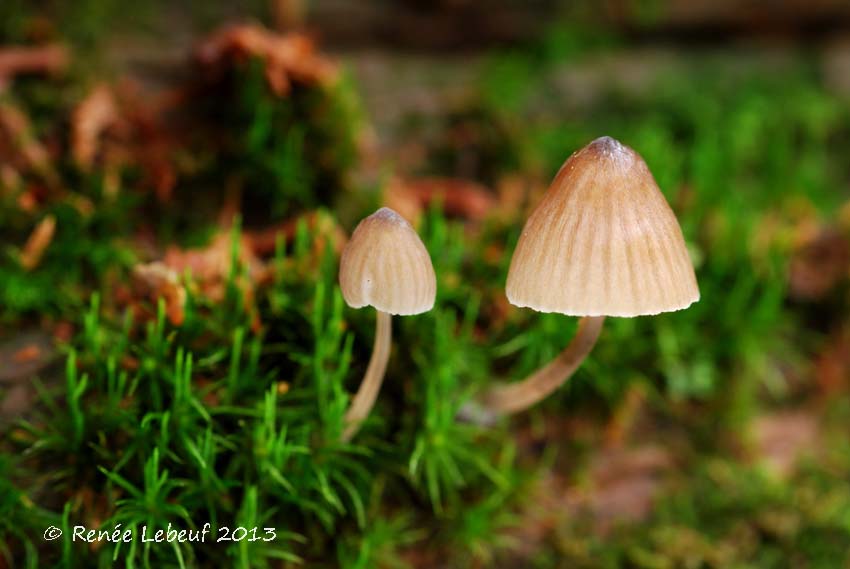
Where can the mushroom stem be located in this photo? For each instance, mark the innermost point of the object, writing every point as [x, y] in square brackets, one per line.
[515, 397]
[365, 397]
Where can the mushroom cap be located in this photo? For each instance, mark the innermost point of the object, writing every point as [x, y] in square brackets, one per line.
[385, 265]
[602, 242]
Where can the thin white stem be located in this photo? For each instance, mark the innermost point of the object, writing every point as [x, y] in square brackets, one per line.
[515, 397]
[366, 395]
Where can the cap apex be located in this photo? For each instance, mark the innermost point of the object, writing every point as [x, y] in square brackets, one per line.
[612, 149]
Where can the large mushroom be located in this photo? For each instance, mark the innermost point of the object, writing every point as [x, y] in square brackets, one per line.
[384, 265]
[602, 242]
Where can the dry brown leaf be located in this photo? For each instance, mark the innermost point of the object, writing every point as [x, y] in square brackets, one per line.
[16, 60]
[25, 355]
[400, 198]
[28, 353]
[289, 58]
[115, 126]
[37, 243]
[322, 226]
[16, 134]
[460, 198]
[211, 265]
[156, 280]
[9, 178]
[513, 192]
[27, 202]
[92, 117]
[210, 268]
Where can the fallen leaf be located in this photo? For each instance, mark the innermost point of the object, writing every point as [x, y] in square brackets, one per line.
[28, 353]
[9, 178]
[212, 264]
[18, 60]
[23, 148]
[404, 201]
[211, 268]
[89, 120]
[323, 228]
[38, 242]
[27, 202]
[116, 127]
[288, 58]
[460, 198]
[513, 192]
[156, 280]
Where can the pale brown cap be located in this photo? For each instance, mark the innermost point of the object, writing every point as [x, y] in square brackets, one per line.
[385, 265]
[602, 242]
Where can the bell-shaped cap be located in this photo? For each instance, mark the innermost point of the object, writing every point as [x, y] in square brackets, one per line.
[602, 242]
[385, 265]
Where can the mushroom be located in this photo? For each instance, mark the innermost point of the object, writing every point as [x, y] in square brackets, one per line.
[602, 242]
[386, 266]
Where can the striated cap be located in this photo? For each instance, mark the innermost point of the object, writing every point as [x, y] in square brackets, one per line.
[602, 242]
[385, 265]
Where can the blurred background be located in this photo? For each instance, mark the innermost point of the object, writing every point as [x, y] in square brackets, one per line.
[178, 178]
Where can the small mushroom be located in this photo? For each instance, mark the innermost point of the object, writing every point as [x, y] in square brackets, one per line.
[386, 266]
[602, 242]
